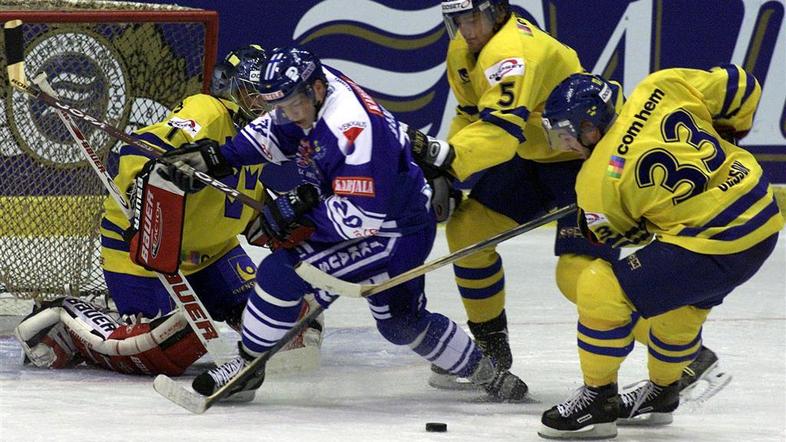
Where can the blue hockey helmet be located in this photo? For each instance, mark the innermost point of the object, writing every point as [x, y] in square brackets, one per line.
[236, 78]
[289, 70]
[454, 10]
[577, 101]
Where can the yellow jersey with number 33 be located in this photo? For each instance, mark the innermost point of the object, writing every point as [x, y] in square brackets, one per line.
[662, 169]
[212, 220]
[501, 92]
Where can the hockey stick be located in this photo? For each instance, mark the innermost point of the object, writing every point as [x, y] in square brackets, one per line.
[176, 285]
[322, 280]
[198, 404]
[16, 76]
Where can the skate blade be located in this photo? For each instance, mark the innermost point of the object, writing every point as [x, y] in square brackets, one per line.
[708, 385]
[451, 382]
[590, 432]
[647, 420]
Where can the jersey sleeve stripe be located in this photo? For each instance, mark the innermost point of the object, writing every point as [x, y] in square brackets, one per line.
[732, 212]
[114, 244]
[469, 110]
[521, 112]
[512, 129]
[731, 88]
[112, 227]
[750, 86]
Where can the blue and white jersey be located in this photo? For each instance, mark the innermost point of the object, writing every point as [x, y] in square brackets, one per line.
[357, 154]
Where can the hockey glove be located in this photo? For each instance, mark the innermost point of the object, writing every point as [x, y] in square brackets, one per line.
[203, 156]
[158, 209]
[445, 199]
[430, 151]
[281, 223]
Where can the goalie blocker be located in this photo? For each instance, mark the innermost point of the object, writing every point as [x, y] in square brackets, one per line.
[157, 228]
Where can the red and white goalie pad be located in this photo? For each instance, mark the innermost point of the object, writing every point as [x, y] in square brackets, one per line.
[159, 208]
[164, 345]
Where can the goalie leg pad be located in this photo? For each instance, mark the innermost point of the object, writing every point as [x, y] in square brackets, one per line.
[164, 345]
[44, 339]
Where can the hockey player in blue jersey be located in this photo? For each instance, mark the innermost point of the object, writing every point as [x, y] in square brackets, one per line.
[362, 213]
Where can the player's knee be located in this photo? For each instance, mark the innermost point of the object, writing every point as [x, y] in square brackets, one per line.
[680, 325]
[599, 295]
[474, 222]
[569, 267]
[276, 276]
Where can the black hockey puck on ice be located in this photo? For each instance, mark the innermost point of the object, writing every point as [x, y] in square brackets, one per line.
[436, 427]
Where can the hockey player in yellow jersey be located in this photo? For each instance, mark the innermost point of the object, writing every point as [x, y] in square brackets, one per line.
[501, 68]
[660, 173]
[217, 267]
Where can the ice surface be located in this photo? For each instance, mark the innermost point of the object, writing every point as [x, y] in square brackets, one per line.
[369, 390]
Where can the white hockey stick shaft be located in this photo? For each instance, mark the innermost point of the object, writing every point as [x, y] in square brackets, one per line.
[176, 285]
[329, 283]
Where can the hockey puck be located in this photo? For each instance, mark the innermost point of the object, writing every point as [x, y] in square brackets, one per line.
[436, 427]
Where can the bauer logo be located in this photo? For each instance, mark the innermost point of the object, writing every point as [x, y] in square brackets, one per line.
[86, 72]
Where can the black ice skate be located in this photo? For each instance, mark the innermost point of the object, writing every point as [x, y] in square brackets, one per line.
[590, 413]
[211, 380]
[646, 403]
[702, 379]
[492, 338]
[501, 385]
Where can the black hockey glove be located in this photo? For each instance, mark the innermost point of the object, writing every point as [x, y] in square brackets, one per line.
[281, 223]
[430, 151]
[203, 156]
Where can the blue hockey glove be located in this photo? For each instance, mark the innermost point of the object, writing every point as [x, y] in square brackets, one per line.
[281, 223]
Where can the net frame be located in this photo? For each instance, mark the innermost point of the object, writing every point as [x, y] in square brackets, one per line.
[84, 274]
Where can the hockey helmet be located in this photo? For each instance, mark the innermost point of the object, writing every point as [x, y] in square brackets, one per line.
[236, 78]
[453, 11]
[579, 99]
[288, 71]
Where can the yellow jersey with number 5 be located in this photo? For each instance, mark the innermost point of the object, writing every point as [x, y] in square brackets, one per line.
[501, 92]
[212, 220]
[662, 169]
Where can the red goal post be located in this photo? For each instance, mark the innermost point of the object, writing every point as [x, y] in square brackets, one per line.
[126, 63]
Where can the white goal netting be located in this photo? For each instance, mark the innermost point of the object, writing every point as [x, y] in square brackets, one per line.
[124, 63]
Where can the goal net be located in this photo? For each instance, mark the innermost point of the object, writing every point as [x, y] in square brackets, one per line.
[125, 63]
